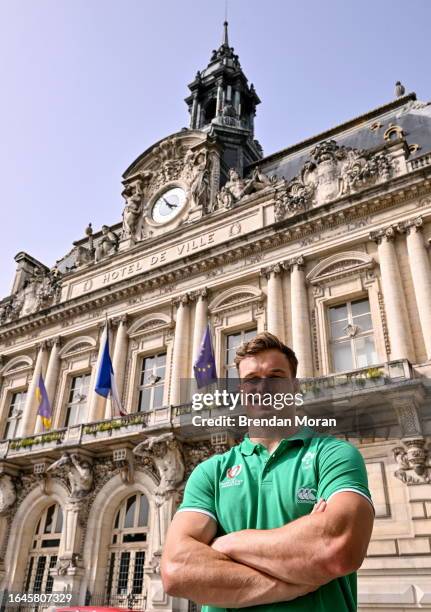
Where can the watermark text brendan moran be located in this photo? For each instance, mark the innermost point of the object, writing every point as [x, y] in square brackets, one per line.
[273, 421]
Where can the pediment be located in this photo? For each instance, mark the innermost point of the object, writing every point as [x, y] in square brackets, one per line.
[340, 264]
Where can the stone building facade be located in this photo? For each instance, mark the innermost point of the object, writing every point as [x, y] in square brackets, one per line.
[325, 244]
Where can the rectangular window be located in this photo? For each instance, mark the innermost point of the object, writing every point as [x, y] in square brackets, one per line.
[138, 573]
[76, 408]
[233, 341]
[123, 573]
[16, 407]
[351, 335]
[152, 382]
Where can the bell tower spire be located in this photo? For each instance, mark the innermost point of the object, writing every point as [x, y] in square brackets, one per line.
[223, 103]
[225, 40]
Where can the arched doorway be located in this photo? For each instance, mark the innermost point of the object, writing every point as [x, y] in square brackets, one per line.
[44, 551]
[125, 585]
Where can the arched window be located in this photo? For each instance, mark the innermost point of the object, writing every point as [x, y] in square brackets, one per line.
[125, 575]
[44, 551]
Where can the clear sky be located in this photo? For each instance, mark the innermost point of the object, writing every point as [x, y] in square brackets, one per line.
[87, 85]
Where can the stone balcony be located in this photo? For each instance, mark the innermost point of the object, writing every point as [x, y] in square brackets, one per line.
[362, 389]
[104, 435]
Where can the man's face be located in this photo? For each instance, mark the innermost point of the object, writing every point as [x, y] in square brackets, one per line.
[268, 373]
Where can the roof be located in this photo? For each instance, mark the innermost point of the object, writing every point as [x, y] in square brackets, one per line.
[413, 116]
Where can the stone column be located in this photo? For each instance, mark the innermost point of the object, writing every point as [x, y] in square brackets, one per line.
[69, 572]
[393, 295]
[181, 349]
[51, 378]
[194, 112]
[28, 420]
[119, 359]
[219, 102]
[421, 276]
[274, 301]
[301, 325]
[96, 403]
[201, 321]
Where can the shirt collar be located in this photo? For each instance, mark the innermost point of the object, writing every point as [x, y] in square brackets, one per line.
[247, 447]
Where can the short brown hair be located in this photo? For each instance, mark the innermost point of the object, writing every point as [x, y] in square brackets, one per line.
[263, 342]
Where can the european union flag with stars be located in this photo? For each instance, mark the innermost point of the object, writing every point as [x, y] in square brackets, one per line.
[204, 366]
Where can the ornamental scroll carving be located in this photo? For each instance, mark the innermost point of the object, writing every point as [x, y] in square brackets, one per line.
[331, 172]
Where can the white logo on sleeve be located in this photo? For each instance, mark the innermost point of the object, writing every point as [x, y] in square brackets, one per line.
[306, 496]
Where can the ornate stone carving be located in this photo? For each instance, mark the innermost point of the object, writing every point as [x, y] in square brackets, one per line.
[196, 453]
[387, 233]
[41, 289]
[332, 171]
[196, 166]
[166, 453]
[413, 461]
[67, 564]
[78, 472]
[7, 493]
[362, 169]
[236, 187]
[107, 245]
[133, 195]
[124, 460]
[416, 224]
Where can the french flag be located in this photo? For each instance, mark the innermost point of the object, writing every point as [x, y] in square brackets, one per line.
[105, 380]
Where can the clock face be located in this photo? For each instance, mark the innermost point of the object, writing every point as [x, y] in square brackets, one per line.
[168, 205]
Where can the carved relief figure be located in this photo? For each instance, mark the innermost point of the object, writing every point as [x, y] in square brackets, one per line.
[166, 454]
[413, 462]
[78, 472]
[7, 493]
[107, 245]
[199, 183]
[133, 195]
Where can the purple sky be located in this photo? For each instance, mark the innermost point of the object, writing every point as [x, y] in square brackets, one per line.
[87, 85]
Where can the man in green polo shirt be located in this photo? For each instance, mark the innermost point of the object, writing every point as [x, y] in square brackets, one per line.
[278, 522]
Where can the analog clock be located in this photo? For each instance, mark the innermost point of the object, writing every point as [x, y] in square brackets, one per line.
[168, 205]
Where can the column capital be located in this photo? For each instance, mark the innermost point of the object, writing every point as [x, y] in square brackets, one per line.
[115, 321]
[298, 262]
[56, 341]
[181, 300]
[405, 227]
[199, 294]
[275, 269]
[43, 345]
[385, 233]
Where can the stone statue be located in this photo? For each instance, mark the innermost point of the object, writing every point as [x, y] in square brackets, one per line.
[166, 454]
[132, 209]
[78, 472]
[199, 183]
[258, 181]
[232, 191]
[107, 245]
[7, 493]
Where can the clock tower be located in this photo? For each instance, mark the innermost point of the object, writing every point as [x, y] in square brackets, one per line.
[223, 104]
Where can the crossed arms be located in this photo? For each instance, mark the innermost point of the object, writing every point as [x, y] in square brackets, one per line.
[252, 567]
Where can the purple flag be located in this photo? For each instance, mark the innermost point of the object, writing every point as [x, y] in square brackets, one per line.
[204, 366]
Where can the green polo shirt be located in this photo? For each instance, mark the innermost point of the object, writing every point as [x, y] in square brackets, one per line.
[249, 488]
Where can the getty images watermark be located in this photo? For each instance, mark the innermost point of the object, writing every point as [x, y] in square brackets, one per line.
[260, 407]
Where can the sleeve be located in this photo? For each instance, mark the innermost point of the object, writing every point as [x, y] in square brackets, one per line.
[342, 468]
[199, 494]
